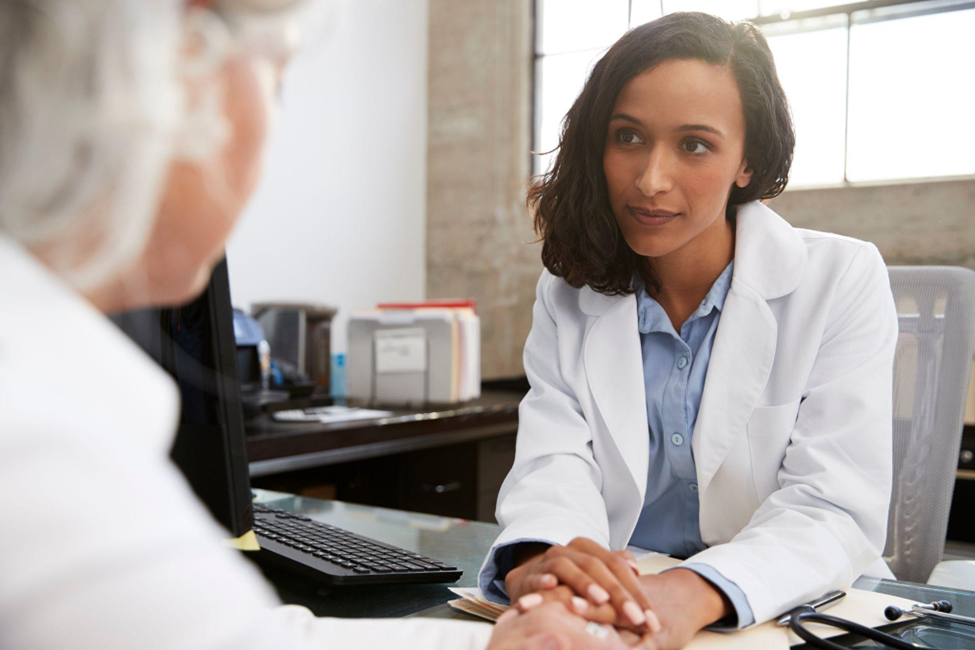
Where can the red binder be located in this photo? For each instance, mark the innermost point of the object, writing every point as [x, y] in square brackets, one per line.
[431, 304]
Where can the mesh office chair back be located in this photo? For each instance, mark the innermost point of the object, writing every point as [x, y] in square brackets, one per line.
[932, 366]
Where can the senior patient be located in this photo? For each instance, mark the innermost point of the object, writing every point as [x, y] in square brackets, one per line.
[130, 139]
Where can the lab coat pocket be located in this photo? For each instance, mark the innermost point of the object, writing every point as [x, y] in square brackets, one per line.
[769, 432]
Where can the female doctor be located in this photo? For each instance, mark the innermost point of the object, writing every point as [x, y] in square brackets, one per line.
[130, 139]
[706, 380]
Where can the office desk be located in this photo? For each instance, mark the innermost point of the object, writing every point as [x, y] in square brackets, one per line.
[463, 543]
[448, 460]
[458, 541]
[274, 447]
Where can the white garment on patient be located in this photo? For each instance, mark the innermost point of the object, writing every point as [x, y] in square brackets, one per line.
[102, 543]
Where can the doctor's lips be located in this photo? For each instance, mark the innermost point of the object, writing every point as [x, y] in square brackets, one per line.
[651, 217]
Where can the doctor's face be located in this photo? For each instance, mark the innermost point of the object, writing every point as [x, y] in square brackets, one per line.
[674, 149]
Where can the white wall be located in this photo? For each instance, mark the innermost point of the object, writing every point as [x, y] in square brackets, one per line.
[339, 217]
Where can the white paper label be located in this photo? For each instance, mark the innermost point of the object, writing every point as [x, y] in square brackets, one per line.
[401, 350]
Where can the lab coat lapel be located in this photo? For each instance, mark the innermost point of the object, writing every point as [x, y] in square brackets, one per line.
[614, 370]
[741, 360]
[770, 260]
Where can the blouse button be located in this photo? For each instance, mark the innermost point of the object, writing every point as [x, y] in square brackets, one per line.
[677, 439]
[681, 363]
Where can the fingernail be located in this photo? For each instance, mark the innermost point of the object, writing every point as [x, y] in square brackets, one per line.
[632, 611]
[579, 604]
[510, 613]
[548, 580]
[598, 594]
[530, 600]
[551, 643]
[652, 621]
[634, 566]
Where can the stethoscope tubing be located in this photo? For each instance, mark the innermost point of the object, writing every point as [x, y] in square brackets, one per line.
[800, 630]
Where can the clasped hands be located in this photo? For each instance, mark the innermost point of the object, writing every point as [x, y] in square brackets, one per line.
[556, 591]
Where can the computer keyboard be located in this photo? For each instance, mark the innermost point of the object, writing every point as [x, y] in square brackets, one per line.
[336, 556]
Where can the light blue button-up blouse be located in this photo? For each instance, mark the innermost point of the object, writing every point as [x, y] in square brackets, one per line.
[675, 366]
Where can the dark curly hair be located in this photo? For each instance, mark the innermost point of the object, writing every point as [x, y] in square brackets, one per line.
[581, 240]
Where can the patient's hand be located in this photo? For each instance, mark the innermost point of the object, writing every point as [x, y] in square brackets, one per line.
[602, 584]
[681, 600]
[550, 627]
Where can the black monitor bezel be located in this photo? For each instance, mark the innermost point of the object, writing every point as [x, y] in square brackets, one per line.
[215, 467]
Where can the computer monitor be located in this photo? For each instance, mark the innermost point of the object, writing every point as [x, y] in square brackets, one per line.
[195, 344]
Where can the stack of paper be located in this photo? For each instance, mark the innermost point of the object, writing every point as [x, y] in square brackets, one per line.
[472, 602]
[415, 353]
[864, 607]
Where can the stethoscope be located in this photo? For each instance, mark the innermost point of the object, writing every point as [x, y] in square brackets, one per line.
[812, 613]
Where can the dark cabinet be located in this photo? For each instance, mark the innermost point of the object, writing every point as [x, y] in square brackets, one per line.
[459, 480]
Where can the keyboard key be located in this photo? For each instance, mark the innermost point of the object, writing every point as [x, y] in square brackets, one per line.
[427, 565]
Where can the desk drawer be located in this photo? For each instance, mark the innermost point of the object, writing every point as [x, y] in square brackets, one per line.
[442, 481]
[961, 524]
[494, 460]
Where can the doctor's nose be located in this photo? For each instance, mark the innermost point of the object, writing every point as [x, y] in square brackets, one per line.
[656, 175]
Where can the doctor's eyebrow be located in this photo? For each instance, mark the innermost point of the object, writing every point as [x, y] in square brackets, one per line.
[699, 127]
[626, 118]
[680, 129]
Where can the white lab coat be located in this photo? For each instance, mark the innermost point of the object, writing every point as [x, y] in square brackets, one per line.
[793, 438]
[102, 543]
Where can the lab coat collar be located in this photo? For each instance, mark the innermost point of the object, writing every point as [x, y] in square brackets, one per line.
[770, 259]
[770, 256]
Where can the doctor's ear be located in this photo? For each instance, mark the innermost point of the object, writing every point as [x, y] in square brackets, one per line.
[744, 176]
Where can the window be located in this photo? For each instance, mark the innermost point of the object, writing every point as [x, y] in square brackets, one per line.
[878, 93]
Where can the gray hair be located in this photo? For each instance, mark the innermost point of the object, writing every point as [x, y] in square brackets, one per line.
[92, 112]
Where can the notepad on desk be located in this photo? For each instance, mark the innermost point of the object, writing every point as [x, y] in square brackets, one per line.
[864, 607]
[329, 414]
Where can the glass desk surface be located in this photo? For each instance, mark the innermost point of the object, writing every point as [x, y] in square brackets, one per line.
[461, 542]
[465, 543]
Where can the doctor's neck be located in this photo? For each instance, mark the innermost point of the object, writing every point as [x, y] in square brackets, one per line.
[685, 275]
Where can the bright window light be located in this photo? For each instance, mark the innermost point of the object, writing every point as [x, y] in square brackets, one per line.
[562, 77]
[727, 9]
[643, 11]
[572, 25]
[773, 7]
[812, 70]
[907, 110]
[912, 100]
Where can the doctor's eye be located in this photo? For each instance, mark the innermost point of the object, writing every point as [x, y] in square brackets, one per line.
[628, 136]
[696, 147]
